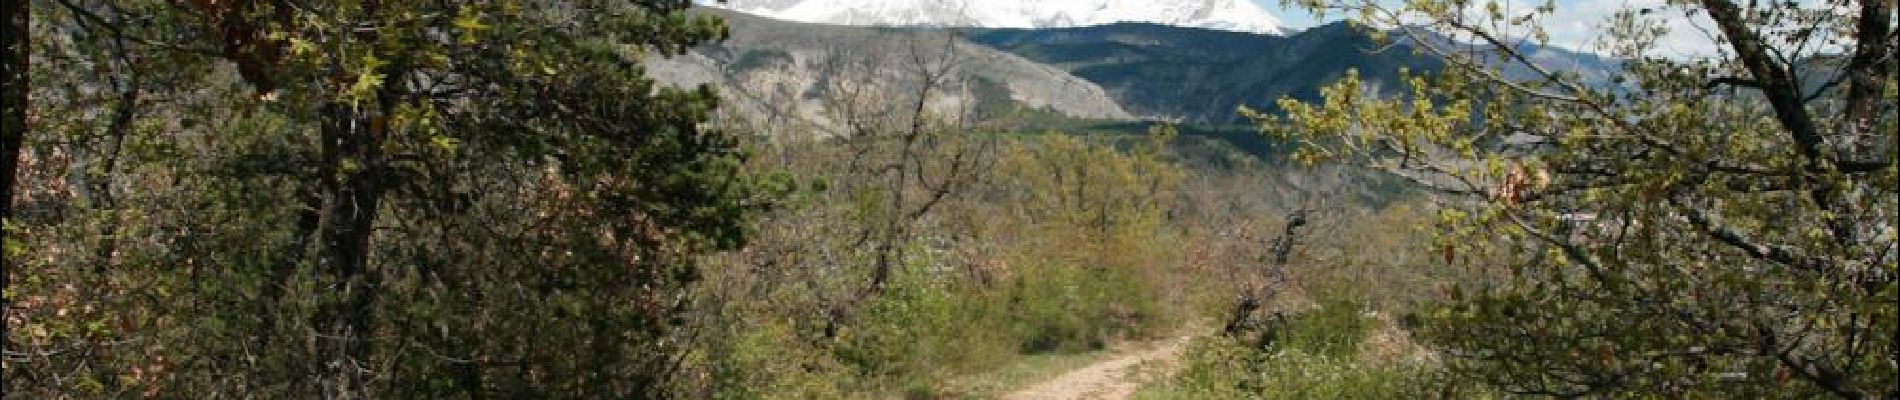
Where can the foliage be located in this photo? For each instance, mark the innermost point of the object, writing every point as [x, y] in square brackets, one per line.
[1702, 226]
[1022, 265]
[1334, 335]
[1316, 356]
[363, 198]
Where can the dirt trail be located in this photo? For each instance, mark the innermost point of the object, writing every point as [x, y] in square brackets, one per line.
[1114, 378]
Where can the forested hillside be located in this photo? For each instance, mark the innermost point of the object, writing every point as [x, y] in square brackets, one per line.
[1202, 76]
[647, 199]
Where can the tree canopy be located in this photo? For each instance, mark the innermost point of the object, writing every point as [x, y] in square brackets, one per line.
[361, 198]
[1718, 224]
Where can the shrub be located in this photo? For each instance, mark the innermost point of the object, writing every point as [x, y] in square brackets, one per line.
[1313, 355]
[1063, 308]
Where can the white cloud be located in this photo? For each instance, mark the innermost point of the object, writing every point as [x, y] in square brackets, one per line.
[1580, 24]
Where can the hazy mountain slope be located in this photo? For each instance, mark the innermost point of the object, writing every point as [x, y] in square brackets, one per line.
[781, 73]
[789, 77]
[1202, 75]
[1232, 15]
[1590, 69]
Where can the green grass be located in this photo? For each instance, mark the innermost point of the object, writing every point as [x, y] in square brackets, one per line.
[1315, 355]
[1220, 369]
[927, 337]
[1019, 373]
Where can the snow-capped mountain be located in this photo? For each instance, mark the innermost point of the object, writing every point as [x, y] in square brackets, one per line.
[1229, 15]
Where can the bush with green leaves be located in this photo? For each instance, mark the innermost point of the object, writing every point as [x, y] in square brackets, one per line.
[1704, 225]
[1310, 355]
[1009, 271]
[359, 199]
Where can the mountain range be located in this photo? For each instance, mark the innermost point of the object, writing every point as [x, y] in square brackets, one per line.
[1231, 15]
[790, 78]
[793, 73]
[1202, 76]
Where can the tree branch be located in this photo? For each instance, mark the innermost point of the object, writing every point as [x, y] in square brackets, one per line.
[1732, 81]
[1776, 80]
[1713, 226]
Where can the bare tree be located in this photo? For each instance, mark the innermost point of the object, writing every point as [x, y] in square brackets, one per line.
[908, 132]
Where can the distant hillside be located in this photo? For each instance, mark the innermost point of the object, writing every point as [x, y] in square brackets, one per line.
[1232, 15]
[1202, 76]
[786, 77]
[1199, 75]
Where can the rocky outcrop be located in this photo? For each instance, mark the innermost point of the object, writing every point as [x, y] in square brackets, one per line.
[791, 78]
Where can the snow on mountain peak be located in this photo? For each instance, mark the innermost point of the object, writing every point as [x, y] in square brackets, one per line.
[1230, 15]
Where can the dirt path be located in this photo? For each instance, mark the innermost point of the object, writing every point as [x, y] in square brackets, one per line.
[1114, 378]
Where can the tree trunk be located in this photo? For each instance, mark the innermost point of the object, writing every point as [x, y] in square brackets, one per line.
[1775, 79]
[1867, 74]
[13, 88]
[351, 143]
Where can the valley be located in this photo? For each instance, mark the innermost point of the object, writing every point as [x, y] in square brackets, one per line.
[949, 199]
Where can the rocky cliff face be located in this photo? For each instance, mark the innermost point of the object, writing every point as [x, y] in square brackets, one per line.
[808, 79]
[795, 74]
